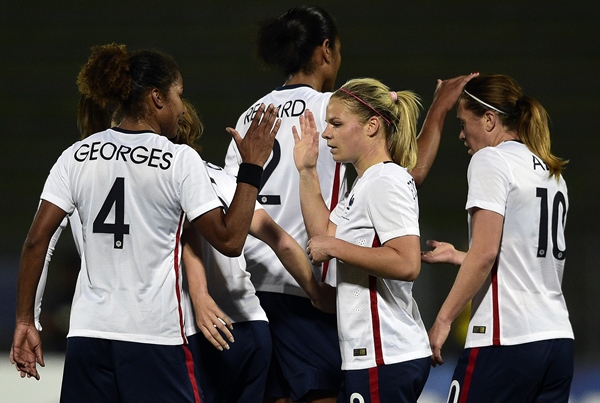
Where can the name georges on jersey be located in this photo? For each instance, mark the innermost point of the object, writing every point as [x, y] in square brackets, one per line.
[154, 158]
[292, 108]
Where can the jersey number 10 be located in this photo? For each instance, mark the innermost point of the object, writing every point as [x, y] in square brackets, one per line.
[558, 205]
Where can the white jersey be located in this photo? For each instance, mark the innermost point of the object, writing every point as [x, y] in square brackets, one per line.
[378, 320]
[130, 190]
[228, 281]
[279, 193]
[521, 301]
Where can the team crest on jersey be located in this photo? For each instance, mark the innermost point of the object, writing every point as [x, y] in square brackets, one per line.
[360, 352]
[479, 329]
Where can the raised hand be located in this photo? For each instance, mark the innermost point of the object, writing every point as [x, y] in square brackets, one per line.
[306, 143]
[448, 91]
[257, 144]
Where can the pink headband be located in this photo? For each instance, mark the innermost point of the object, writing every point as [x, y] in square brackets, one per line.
[366, 104]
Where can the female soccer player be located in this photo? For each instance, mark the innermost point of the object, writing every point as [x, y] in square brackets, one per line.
[132, 188]
[304, 45]
[374, 236]
[238, 373]
[519, 343]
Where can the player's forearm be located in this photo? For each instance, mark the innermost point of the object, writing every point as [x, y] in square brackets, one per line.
[192, 262]
[241, 210]
[295, 261]
[287, 250]
[30, 270]
[470, 278]
[228, 232]
[384, 261]
[428, 143]
[314, 209]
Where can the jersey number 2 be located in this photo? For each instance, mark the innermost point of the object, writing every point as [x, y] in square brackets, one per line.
[115, 197]
[268, 171]
[559, 204]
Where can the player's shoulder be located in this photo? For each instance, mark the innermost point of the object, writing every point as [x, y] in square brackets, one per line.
[217, 173]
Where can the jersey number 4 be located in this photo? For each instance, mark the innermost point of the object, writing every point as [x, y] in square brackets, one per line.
[116, 197]
[558, 205]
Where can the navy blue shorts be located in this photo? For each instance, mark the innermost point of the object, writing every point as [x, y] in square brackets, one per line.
[306, 348]
[399, 383]
[99, 370]
[237, 375]
[532, 372]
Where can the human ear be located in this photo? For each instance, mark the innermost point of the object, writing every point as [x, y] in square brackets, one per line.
[326, 51]
[373, 126]
[157, 98]
[490, 120]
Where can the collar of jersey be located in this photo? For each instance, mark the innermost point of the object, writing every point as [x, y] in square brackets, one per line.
[291, 87]
[118, 129]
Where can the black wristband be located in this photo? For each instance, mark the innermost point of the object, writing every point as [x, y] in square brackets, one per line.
[250, 174]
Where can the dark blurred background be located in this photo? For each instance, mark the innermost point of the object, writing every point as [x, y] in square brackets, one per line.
[552, 48]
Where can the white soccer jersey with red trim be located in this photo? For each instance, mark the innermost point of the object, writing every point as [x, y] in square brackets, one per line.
[378, 319]
[521, 301]
[228, 281]
[279, 194]
[130, 190]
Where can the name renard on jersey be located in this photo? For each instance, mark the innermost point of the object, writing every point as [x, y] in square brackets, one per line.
[154, 158]
[292, 108]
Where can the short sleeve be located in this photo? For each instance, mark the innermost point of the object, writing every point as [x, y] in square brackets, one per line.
[197, 193]
[489, 178]
[393, 208]
[57, 189]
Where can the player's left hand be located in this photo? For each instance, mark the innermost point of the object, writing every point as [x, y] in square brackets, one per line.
[213, 323]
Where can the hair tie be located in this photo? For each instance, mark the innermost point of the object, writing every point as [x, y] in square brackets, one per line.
[394, 96]
[366, 104]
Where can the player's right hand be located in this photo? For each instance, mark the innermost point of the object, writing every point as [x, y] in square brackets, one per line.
[26, 350]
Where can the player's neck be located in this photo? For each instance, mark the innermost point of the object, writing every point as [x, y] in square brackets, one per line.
[136, 125]
[312, 80]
